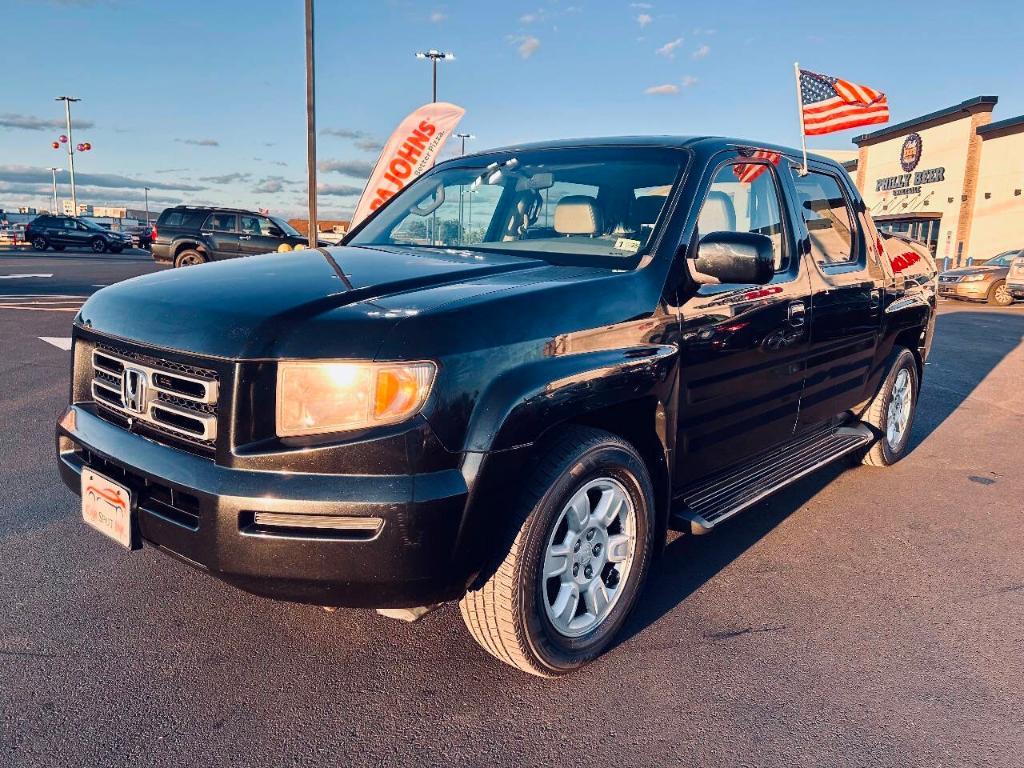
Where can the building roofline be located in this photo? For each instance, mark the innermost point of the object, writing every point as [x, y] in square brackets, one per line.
[1002, 127]
[977, 104]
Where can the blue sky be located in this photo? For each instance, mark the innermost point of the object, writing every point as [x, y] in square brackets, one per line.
[205, 101]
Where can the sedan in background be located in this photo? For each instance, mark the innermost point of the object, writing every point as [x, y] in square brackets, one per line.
[982, 282]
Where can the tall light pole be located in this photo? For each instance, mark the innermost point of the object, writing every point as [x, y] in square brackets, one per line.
[54, 172]
[462, 229]
[465, 136]
[145, 191]
[71, 149]
[311, 126]
[435, 56]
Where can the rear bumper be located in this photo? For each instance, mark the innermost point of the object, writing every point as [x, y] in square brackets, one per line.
[161, 251]
[1016, 290]
[204, 513]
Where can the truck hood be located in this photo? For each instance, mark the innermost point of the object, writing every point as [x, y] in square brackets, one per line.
[295, 304]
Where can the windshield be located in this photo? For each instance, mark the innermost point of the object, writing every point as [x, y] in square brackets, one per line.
[91, 225]
[1003, 259]
[287, 228]
[593, 205]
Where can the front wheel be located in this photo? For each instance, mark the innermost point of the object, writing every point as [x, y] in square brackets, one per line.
[999, 296]
[39, 243]
[891, 413]
[571, 566]
[98, 245]
[189, 258]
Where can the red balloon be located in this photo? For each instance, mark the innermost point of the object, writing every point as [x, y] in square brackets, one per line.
[56, 145]
[87, 146]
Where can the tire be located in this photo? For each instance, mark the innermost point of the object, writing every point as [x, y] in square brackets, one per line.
[98, 245]
[902, 373]
[998, 296]
[189, 258]
[512, 614]
[39, 243]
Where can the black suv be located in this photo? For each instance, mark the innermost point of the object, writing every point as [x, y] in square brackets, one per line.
[508, 384]
[187, 235]
[60, 232]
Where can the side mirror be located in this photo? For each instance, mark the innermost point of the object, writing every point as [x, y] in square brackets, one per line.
[734, 257]
[276, 232]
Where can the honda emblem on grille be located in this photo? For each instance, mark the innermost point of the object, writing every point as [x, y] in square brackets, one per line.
[133, 389]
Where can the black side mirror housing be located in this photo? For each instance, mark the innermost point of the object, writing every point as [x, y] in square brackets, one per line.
[276, 232]
[734, 257]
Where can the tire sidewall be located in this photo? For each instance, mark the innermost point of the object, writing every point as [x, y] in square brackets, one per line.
[554, 651]
[904, 361]
[993, 296]
[188, 252]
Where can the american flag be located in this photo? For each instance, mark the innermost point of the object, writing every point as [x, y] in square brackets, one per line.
[830, 104]
[748, 172]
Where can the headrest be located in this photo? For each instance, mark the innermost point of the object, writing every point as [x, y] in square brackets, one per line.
[578, 215]
[645, 210]
[717, 215]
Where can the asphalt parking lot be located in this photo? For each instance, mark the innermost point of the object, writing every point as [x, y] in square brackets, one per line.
[862, 617]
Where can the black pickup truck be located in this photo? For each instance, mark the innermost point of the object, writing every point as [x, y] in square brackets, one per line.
[506, 387]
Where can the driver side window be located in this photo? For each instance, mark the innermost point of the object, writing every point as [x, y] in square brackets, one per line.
[743, 197]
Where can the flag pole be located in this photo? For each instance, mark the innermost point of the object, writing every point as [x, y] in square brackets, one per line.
[800, 114]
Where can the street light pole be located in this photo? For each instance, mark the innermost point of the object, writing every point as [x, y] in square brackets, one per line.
[435, 56]
[54, 172]
[462, 229]
[311, 126]
[145, 191]
[71, 149]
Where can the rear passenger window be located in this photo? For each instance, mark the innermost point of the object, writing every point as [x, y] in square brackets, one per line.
[743, 198]
[221, 222]
[828, 218]
[175, 219]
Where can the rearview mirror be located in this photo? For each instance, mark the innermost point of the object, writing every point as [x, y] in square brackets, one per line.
[734, 257]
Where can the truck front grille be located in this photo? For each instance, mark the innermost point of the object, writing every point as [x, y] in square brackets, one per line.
[166, 400]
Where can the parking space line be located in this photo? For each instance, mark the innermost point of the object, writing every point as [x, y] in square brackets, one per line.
[60, 342]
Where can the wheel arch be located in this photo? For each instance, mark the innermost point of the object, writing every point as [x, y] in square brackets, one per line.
[184, 245]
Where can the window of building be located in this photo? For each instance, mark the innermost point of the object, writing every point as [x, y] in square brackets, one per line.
[828, 218]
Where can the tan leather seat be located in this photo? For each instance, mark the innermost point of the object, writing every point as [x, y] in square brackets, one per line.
[578, 215]
[717, 214]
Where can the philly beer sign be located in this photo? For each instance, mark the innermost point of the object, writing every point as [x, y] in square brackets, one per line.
[909, 183]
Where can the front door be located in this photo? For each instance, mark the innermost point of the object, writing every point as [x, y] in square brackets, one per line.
[256, 237]
[221, 232]
[846, 311]
[743, 347]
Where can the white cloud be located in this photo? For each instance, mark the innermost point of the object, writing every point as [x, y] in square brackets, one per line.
[644, 19]
[669, 49]
[688, 80]
[437, 17]
[660, 90]
[701, 52]
[528, 18]
[640, 5]
[527, 46]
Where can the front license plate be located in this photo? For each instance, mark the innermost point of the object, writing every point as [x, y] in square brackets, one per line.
[107, 507]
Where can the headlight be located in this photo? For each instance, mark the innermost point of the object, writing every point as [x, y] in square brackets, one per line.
[338, 396]
[975, 278]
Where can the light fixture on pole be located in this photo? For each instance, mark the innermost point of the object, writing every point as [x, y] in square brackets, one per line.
[311, 127]
[435, 56]
[145, 191]
[465, 136]
[54, 172]
[71, 149]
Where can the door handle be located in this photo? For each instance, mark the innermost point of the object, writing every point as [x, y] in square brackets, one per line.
[245, 237]
[797, 313]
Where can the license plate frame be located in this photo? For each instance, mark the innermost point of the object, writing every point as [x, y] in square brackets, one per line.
[108, 507]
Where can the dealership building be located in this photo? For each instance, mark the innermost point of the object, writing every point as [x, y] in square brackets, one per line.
[953, 179]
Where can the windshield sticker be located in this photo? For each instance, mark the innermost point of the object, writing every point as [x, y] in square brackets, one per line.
[627, 244]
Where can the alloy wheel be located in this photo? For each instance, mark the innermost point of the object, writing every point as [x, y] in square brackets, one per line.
[588, 557]
[900, 408]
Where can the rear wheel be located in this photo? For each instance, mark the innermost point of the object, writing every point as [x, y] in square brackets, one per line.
[189, 258]
[573, 561]
[39, 243]
[98, 245]
[999, 296]
[891, 413]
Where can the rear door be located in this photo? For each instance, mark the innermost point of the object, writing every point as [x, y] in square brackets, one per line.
[256, 237]
[846, 307]
[743, 347]
[220, 231]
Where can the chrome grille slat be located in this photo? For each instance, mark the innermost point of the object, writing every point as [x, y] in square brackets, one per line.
[178, 400]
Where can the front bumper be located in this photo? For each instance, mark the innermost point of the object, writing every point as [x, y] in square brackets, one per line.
[975, 290]
[204, 513]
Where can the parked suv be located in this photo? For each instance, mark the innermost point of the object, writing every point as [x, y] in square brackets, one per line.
[1015, 277]
[982, 282]
[188, 235]
[507, 385]
[60, 232]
